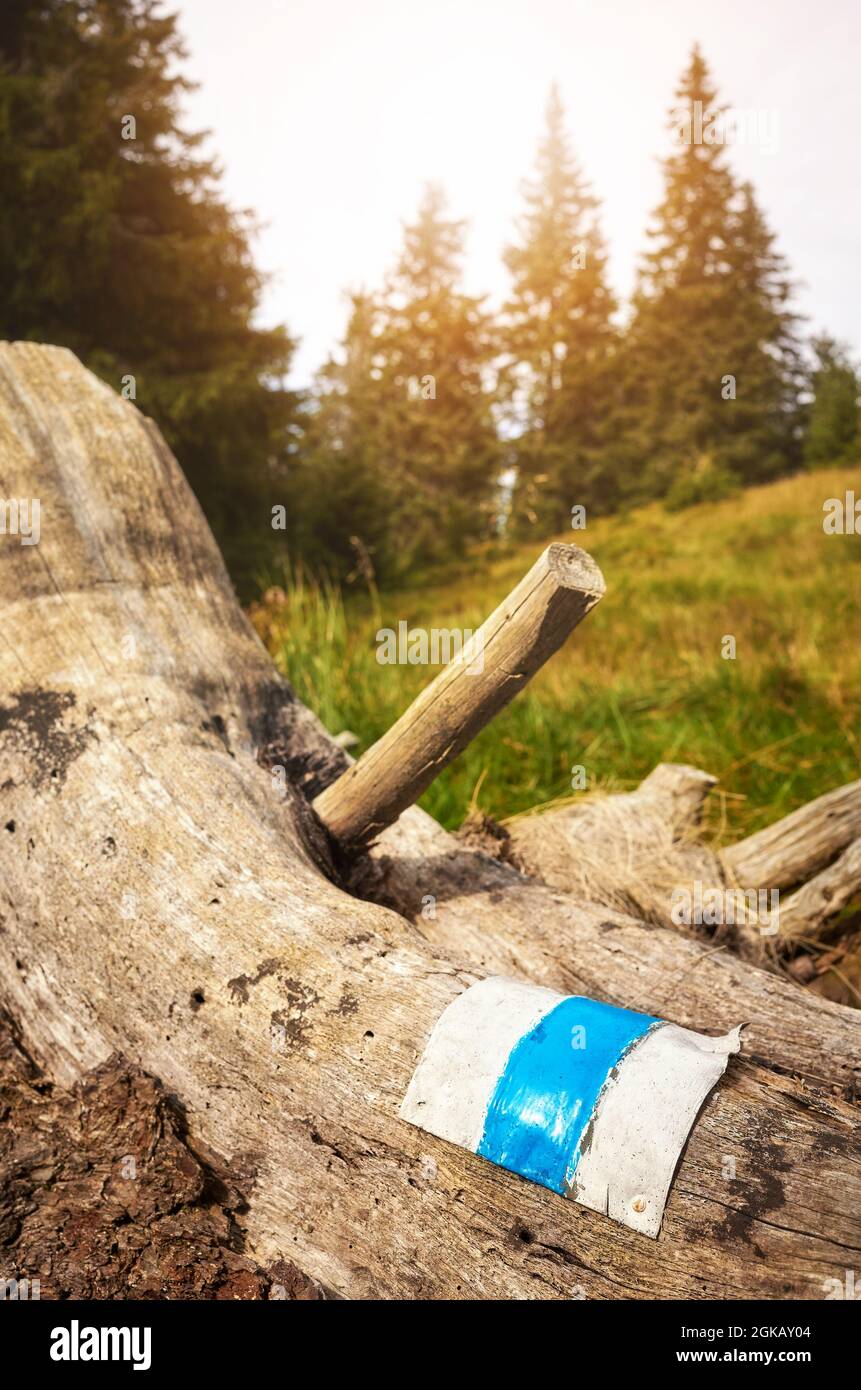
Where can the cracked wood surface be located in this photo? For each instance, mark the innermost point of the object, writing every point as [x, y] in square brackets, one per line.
[162, 896]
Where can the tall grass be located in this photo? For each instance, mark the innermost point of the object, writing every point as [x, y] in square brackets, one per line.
[643, 680]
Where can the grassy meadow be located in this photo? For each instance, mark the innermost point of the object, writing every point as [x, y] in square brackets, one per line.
[642, 679]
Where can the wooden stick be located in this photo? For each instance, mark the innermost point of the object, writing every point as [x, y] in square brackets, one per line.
[800, 844]
[516, 640]
[823, 896]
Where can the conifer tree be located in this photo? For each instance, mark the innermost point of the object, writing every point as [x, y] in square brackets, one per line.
[436, 351]
[760, 437]
[401, 443]
[712, 364]
[559, 338]
[832, 436]
[340, 488]
[115, 241]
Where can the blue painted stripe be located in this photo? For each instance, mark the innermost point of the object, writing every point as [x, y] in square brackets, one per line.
[545, 1097]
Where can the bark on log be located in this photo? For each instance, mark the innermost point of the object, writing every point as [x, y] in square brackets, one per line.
[103, 1195]
[162, 894]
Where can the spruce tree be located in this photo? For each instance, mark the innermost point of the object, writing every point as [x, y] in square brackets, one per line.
[712, 364]
[761, 435]
[401, 458]
[340, 488]
[401, 455]
[832, 436]
[115, 241]
[436, 352]
[559, 339]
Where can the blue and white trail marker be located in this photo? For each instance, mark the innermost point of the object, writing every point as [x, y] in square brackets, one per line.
[592, 1101]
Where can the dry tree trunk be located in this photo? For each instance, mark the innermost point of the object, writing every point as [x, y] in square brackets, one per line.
[164, 895]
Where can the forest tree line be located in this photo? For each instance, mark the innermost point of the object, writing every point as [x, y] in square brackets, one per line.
[438, 421]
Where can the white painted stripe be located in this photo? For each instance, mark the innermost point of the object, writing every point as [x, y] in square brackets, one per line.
[466, 1054]
[641, 1121]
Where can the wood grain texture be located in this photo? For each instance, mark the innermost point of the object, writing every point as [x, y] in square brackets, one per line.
[515, 641]
[799, 845]
[161, 894]
[626, 850]
[824, 895]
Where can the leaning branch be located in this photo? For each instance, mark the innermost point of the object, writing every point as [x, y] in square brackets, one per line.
[799, 845]
[826, 894]
[523, 632]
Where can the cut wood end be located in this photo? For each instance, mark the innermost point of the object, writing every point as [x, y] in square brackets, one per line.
[574, 568]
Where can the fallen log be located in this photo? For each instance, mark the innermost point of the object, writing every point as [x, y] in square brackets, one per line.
[164, 894]
[808, 909]
[801, 844]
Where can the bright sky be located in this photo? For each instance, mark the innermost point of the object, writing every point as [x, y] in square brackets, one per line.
[330, 115]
